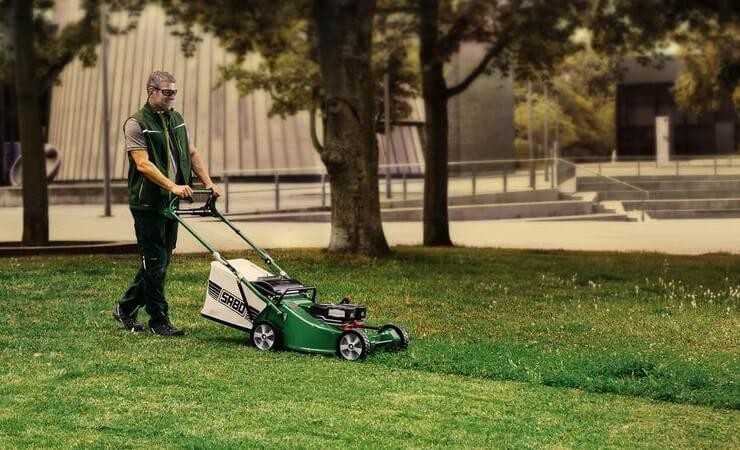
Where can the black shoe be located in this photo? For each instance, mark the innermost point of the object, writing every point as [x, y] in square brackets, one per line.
[128, 322]
[164, 329]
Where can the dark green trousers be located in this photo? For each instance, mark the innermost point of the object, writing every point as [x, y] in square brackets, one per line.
[156, 236]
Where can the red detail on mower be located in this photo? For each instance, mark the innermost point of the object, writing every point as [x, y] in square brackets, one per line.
[353, 325]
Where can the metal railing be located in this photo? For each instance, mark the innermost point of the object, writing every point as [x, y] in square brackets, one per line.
[689, 164]
[272, 190]
[645, 193]
[396, 181]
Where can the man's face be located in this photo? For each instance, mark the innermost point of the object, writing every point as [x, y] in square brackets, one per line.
[163, 98]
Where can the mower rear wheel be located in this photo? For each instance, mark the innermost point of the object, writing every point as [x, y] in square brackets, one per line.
[265, 337]
[403, 336]
[353, 345]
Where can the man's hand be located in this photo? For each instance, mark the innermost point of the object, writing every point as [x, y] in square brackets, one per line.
[215, 189]
[182, 191]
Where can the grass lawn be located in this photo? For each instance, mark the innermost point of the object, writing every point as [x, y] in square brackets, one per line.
[510, 349]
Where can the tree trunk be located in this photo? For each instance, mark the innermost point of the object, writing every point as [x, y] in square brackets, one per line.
[35, 196]
[350, 152]
[434, 92]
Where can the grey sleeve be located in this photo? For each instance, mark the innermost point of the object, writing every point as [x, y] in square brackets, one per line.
[133, 137]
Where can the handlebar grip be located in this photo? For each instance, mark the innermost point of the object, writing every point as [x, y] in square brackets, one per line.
[208, 192]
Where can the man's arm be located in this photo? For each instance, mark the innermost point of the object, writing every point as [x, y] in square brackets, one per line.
[201, 170]
[150, 171]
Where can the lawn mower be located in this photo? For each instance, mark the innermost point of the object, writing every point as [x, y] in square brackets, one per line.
[276, 310]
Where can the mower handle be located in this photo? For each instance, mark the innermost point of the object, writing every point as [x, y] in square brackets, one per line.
[209, 210]
[206, 210]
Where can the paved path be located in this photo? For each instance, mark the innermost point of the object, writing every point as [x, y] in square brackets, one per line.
[666, 236]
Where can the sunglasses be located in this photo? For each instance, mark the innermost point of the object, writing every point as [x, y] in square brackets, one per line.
[166, 92]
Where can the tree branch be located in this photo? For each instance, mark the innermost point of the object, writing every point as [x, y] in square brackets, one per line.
[314, 137]
[457, 30]
[72, 39]
[396, 10]
[493, 51]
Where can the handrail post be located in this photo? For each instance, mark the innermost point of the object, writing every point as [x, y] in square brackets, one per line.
[552, 173]
[388, 182]
[323, 190]
[645, 199]
[226, 192]
[277, 191]
[404, 185]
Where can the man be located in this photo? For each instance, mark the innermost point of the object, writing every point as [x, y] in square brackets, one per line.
[160, 161]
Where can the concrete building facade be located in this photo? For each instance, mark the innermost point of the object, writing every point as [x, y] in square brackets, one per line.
[233, 132]
[644, 93]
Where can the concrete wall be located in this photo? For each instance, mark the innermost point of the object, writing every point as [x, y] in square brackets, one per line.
[233, 132]
[230, 131]
[645, 93]
[482, 117]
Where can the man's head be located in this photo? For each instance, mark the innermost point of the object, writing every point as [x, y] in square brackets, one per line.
[161, 89]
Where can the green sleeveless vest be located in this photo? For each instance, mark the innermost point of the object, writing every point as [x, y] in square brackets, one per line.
[161, 130]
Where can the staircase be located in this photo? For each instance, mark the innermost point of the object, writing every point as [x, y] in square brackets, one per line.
[671, 196]
[539, 205]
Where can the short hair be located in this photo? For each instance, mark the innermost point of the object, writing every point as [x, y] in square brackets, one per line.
[157, 77]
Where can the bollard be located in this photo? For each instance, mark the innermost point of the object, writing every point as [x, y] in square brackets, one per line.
[506, 180]
[552, 174]
[277, 192]
[226, 193]
[473, 180]
[323, 190]
[645, 198]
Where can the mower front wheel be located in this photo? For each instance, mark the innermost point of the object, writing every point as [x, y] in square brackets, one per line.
[265, 337]
[353, 345]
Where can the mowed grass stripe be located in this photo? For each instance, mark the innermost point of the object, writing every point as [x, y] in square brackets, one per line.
[662, 328]
[172, 396]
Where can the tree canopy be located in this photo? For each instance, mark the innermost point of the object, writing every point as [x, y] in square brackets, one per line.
[711, 70]
[580, 105]
[311, 55]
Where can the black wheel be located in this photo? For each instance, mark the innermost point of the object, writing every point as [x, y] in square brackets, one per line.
[265, 337]
[353, 345]
[403, 336]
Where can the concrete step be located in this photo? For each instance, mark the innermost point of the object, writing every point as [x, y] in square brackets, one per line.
[600, 217]
[543, 195]
[684, 204]
[695, 214]
[666, 195]
[68, 194]
[661, 185]
[456, 213]
[631, 179]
